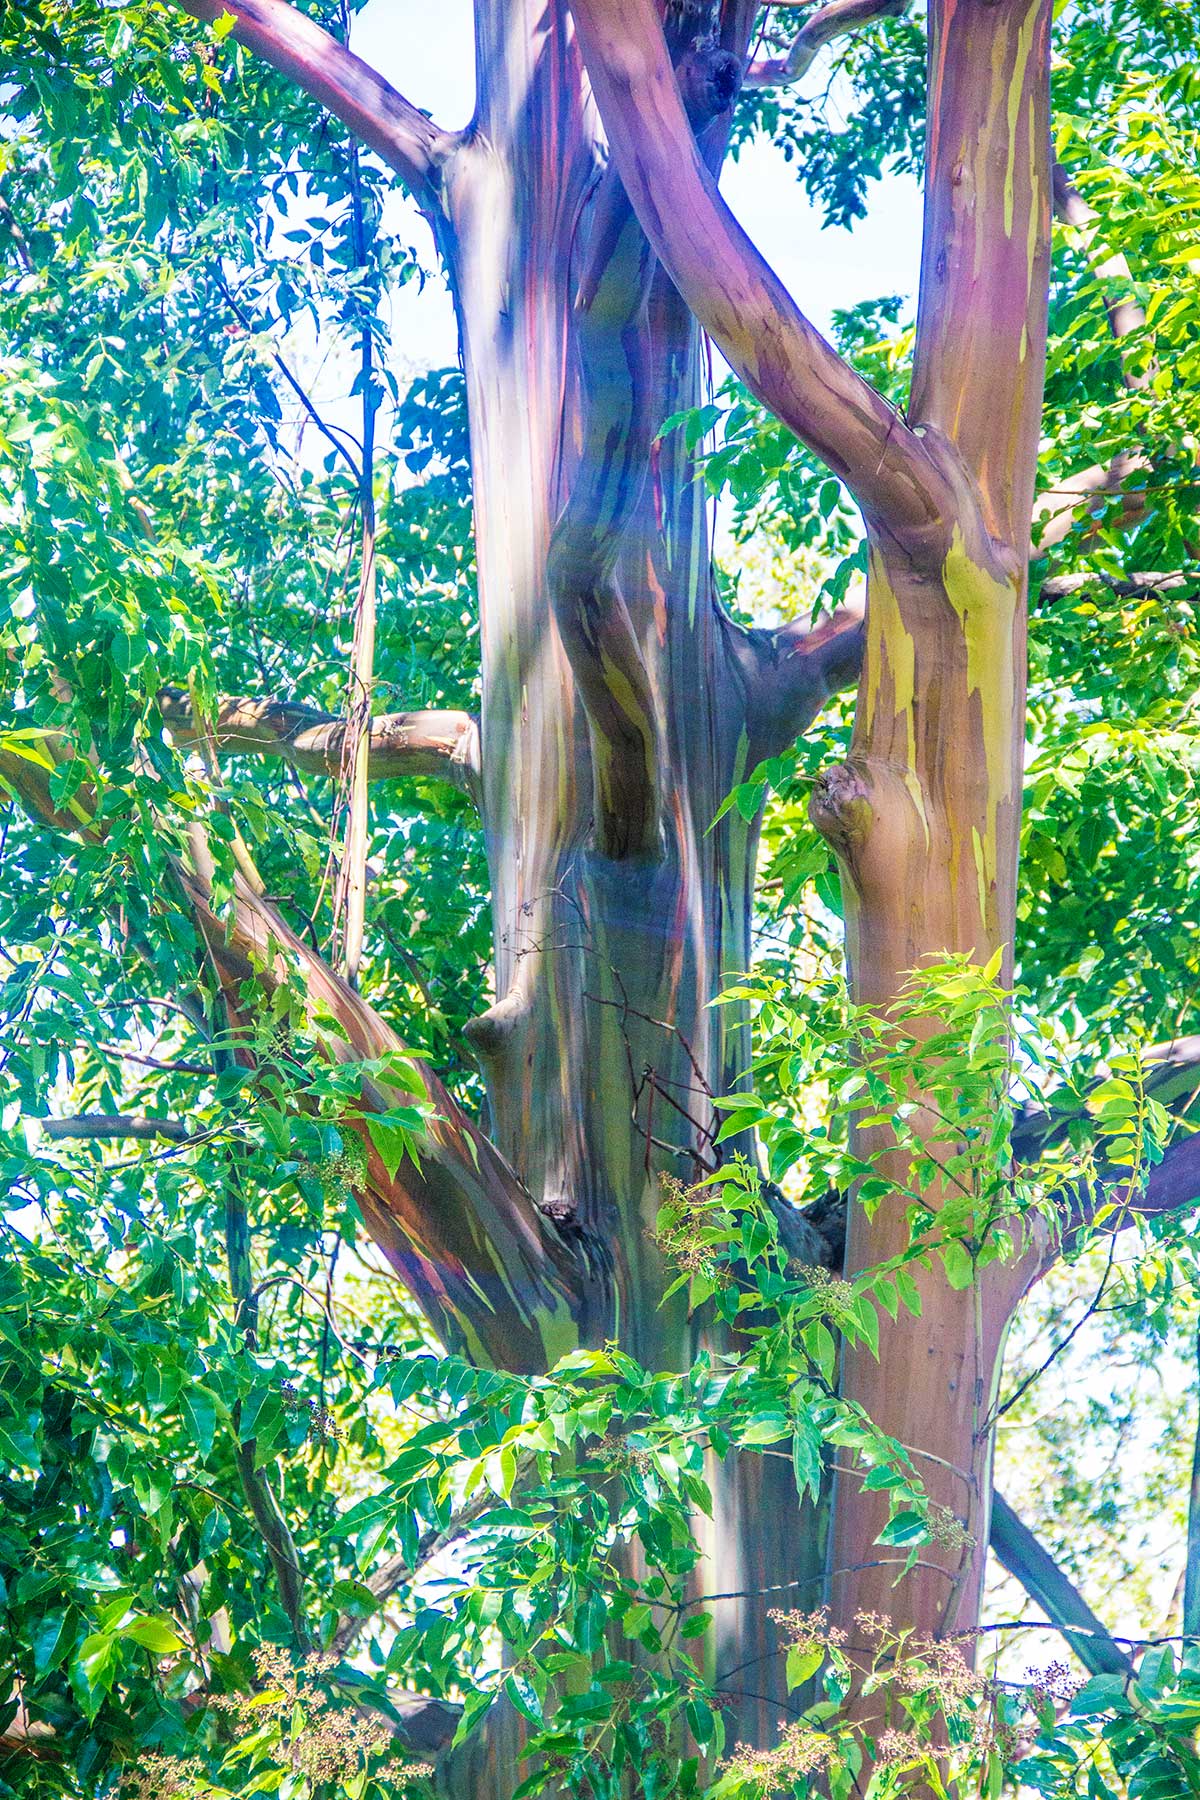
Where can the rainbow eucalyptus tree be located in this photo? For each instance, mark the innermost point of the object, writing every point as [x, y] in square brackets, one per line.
[590, 254]
[620, 705]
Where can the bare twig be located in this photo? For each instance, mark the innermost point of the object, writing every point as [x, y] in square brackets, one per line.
[1092, 1306]
[350, 894]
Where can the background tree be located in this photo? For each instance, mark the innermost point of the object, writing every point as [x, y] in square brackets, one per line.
[219, 849]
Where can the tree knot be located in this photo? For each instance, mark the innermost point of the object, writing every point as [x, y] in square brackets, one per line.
[709, 79]
[840, 808]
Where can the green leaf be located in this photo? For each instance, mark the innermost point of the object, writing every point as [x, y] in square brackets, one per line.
[802, 1663]
[1103, 1693]
[904, 1528]
[766, 1428]
[958, 1264]
[392, 1137]
[201, 1409]
[155, 1635]
[96, 1668]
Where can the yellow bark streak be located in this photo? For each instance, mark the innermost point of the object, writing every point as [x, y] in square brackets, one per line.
[622, 691]
[986, 609]
[1033, 233]
[890, 644]
[1016, 94]
[985, 871]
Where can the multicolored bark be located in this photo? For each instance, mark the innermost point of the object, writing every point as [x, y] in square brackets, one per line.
[620, 706]
[924, 815]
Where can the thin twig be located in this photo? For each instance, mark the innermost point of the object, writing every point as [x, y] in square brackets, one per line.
[1058, 1349]
[350, 898]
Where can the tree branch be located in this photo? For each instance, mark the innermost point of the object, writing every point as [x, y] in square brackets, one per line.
[1171, 1185]
[797, 669]
[980, 353]
[495, 1278]
[611, 307]
[1172, 1074]
[350, 892]
[736, 297]
[1128, 587]
[378, 116]
[444, 745]
[1125, 316]
[1033, 1566]
[106, 1126]
[1056, 510]
[1173, 1080]
[839, 18]
[421, 1722]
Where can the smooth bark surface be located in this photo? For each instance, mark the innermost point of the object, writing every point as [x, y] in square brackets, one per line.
[925, 814]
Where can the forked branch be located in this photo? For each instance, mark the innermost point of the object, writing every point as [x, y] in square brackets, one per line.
[378, 116]
[733, 293]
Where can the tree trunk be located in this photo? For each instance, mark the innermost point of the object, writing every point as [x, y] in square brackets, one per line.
[602, 1051]
[925, 815]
